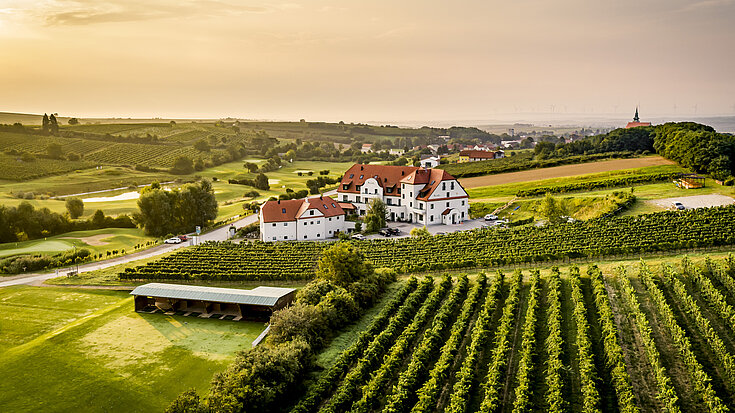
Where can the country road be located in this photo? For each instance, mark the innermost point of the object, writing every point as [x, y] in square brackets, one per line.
[219, 234]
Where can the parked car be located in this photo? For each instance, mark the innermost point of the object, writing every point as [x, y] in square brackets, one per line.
[385, 232]
[174, 240]
[490, 217]
[441, 233]
[183, 237]
[679, 206]
[358, 236]
[394, 231]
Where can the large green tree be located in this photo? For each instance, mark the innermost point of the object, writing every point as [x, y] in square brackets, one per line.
[163, 212]
[551, 209]
[343, 264]
[75, 207]
[375, 215]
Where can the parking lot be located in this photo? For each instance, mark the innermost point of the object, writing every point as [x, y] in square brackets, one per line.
[696, 201]
[406, 228]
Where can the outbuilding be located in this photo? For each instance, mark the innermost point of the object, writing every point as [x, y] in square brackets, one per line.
[208, 302]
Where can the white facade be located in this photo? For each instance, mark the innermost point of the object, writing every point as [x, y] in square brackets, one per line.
[431, 162]
[446, 203]
[302, 223]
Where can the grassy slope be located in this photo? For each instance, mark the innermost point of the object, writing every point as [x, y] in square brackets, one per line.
[67, 348]
[116, 239]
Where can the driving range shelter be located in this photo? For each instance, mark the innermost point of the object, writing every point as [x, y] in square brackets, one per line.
[212, 302]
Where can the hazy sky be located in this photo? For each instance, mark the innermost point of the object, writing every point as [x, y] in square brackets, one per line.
[366, 60]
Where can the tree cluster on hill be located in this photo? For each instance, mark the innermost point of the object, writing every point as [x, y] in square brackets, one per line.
[24, 222]
[260, 380]
[697, 147]
[260, 182]
[180, 210]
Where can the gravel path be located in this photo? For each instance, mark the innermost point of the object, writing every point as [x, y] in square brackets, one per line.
[696, 201]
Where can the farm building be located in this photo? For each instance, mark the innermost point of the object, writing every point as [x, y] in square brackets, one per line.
[256, 304]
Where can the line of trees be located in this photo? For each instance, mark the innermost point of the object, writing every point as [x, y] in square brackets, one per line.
[25, 222]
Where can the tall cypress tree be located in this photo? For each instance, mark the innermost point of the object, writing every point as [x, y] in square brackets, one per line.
[54, 125]
[45, 123]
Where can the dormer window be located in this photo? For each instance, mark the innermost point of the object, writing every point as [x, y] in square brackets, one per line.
[333, 205]
[283, 210]
[361, 176]
[352, 176]
[326, 207]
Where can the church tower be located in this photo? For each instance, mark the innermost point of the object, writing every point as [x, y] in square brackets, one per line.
[636, 118]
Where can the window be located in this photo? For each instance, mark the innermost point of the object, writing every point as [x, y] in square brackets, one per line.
[274, 238]
[330, 232]
[283, 210]
[357, 199]
[447, 204]
[462, 203]
[432, 218]
[431, 206]
[421, 218]
[410, 204]
[389, 201]
[410, 194]
[376, 191]
[344, 198]
[352, 175]
[389, 190]
[421, 206]
[304, 236]
[330, 219]
[401, 215]
[462, 215]
[333, 205]
[325, 206]
[285, 224]
[452, 186]
[345, 186]
[444, 186]
[358, 188]
[285, 237]
[361, 176]
[274, 224]
[311, 212]
[306, 223]
[317, 235]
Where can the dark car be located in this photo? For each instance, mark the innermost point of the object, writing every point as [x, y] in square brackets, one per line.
[385, 232]
[394, 231]
[679, 206]
[183, 237]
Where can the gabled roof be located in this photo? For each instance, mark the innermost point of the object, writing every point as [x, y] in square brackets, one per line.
[387, 176]
[267, 296]
[478, 154]
[637, 124]
[436, 177]
[289, 210]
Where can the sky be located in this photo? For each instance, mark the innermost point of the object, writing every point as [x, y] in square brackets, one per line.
[361, 61]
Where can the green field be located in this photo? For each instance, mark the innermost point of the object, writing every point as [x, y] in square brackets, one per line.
[98, 240]
[64, 348]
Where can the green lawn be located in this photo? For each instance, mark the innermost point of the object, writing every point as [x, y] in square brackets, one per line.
[98, 240]
[87, 350]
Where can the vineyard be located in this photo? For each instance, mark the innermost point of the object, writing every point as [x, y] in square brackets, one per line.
[662, 231]
[640, 340]
[615, 182]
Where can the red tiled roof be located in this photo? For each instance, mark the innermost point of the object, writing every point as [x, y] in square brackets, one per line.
[637, 124]
[388, 176]
[478, 154]
[346, 205]
[289, 210]
[446, 211]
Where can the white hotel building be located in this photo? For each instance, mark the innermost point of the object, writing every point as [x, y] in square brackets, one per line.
[302, 219]
[411, 194]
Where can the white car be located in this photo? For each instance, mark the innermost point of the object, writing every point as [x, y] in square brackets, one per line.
[174, 240]
[358, 236]
[490, 217]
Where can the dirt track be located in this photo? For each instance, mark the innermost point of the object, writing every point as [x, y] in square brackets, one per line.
[562, 171]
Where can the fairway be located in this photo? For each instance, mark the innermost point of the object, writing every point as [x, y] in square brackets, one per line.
[98, 240]
[65, 348]
[562, 171]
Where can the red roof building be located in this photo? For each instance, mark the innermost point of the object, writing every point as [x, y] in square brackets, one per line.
[301, 219]
[636, 121]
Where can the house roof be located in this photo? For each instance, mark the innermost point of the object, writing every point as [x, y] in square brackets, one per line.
[389, 176]
[636, 124]
[478, 154]
[289, 210]
[346, 205]
[267, 296]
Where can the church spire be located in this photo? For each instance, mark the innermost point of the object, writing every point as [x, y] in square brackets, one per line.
[636, 118]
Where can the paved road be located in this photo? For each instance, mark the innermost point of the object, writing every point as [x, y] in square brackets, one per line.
[219, 234]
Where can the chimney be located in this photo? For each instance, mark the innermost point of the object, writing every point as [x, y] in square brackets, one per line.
[321, 196]
[362, 167]
[279, 201]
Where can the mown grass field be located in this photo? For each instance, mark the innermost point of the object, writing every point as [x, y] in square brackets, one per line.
[67, 349]
[98, 240]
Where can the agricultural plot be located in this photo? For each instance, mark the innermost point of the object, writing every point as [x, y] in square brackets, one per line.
[565, 340]
[65, 348]
[663, 231]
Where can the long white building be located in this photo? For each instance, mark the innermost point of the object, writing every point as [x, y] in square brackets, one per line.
[302, 219]
[411, 194]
